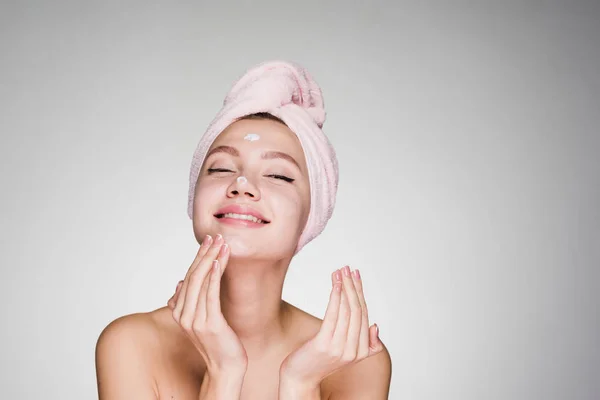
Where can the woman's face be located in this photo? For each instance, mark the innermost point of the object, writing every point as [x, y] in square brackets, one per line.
[253, 189]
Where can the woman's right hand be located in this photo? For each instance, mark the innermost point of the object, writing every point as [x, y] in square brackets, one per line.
[197, 310]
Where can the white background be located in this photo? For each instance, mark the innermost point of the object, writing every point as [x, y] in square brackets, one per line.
[468, 141]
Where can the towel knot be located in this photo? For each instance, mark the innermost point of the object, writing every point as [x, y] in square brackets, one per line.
[279, 84]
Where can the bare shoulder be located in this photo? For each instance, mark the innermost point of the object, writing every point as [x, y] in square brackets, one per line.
[367, 379]
[127, 326]
[301, 315]
[126, 351]
[303, 324]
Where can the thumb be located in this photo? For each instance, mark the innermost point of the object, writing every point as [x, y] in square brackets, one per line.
[375, 344]
[173, 300]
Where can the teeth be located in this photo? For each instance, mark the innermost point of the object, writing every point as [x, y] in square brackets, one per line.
[243, 216]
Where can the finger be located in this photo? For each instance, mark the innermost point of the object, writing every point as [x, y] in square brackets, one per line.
[363, 346]
[199, 255]
[196, 279]
[375, 344]
[200, 313]
[173, 300]
[213, 292]
[213, 307]
[336, 277]
[353, 335]
[338, 341]
[333, 307]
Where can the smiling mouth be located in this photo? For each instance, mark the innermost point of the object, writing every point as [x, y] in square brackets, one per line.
[242, 217]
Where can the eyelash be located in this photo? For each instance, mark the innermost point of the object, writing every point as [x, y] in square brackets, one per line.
[282, 177]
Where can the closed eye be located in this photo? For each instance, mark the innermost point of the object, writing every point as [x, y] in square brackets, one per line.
[213, 170]
[282, 177]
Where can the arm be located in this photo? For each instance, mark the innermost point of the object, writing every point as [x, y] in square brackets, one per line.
[123, 361]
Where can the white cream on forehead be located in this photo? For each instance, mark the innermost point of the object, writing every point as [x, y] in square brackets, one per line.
[252, 137]
[241, 180]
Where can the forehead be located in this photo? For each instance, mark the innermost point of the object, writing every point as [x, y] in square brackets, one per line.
[265, 134]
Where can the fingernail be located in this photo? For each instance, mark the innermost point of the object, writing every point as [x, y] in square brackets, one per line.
[338, 276]
[223, 250]
[219, 239]
[346, 270]
[207, 240]
[356, 274]
[377, 330]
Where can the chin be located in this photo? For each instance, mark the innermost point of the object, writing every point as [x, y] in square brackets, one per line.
[240, 246]
[244, 247]
[251, 243]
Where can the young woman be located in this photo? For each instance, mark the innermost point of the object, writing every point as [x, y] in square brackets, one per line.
[262, 185]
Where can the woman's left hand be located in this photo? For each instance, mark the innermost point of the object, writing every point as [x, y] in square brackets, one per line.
[345, 337]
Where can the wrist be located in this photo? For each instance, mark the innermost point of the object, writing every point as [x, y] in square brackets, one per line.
[291, 387]
[225, 385]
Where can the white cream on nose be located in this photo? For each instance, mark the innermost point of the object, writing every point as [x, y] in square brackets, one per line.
[242, 180]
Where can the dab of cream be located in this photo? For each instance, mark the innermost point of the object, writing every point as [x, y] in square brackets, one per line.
[252, 137]
[241, 180]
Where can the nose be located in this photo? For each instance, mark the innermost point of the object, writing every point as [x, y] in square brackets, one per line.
[241, 186]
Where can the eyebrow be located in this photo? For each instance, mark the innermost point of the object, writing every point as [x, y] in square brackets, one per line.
[270, 155]
[224, 149]
[267, 155]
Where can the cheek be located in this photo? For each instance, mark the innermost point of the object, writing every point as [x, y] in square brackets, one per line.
[206, 195]
[289, 205]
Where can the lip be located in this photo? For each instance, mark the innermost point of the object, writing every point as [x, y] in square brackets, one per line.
[241, 209]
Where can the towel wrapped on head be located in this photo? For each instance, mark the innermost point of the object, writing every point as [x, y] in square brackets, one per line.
[288, 92]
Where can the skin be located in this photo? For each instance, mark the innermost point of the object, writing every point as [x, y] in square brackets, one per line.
[226, 333]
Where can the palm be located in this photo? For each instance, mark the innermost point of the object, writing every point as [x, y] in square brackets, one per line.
[307, 357]
[234, 347]
[344, 337]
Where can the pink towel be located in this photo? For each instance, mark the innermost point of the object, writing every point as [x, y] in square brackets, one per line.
[288, 92]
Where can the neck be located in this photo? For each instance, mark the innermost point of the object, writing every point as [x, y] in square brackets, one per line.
[251, 303]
